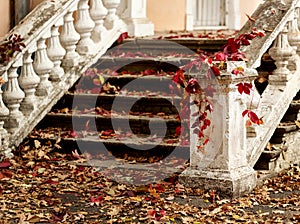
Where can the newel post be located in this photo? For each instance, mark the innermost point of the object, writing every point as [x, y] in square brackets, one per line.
[224, 167]
[135, 16]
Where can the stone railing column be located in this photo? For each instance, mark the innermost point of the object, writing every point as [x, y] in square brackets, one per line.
[226, 170]
[69, 38]
[135, 16]
[84, 26]
[56, 53]
[293, 31]
[13, 96]
[281, 52]
[43, 67]
[112, 18]
[98, 13]
[29, 81]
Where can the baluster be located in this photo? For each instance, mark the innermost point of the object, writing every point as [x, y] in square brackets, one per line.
[294, 33]
[43, 66]
[112, 17]
[69, 38]
[56, 53]
[294, 40]
[98, 13]
[281, 51]
[84, 26]
[29, 81]
[13, 96]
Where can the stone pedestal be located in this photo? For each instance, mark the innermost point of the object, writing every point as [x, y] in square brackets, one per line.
[224, 167]
[230, 183]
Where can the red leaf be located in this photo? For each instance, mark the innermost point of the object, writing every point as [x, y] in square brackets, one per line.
[50, 181]
[98, 199]
[245, 112]
[207, 122]
[5, 164]
[244, 88]
[253, 117]
[179, 78]
[73, 134]
[238, 71]
[122, 37]
[193, 86]
[221, 56]
[179, 130]
[206, 141]
[215, 70]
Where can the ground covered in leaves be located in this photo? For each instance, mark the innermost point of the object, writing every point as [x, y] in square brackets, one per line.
[42, 186]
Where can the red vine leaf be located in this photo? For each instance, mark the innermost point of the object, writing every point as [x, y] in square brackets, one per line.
[193, 86]
[253, 118]
[179, 78]
[215, 70]
[244, 88]
[238, 71]
[122, 37]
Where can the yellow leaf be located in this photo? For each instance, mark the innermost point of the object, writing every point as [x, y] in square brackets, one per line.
[236, 216]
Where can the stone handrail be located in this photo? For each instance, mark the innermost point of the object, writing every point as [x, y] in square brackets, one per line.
[228, 164]
[279, 20]
[63, 38]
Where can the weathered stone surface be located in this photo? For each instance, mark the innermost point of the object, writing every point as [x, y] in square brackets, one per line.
[271, 16]
[233, 183]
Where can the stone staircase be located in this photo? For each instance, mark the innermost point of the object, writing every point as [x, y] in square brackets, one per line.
[86, 125]
[132, 103]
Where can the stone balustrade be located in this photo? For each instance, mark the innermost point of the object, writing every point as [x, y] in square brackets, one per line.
[63, 38]
[230, 167]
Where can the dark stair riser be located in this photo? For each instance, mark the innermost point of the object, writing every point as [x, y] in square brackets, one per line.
[155, 105]
[154, 126]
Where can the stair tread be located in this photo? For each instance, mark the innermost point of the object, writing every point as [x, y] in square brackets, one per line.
[130, 94]
[145, 116]
[102, 136]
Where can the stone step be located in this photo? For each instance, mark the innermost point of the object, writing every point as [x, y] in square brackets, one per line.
[153, 103]
[132, 148]
[160, 126]
[293, 113]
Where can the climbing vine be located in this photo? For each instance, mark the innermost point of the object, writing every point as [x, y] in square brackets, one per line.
[200, 96]
[14, 43]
